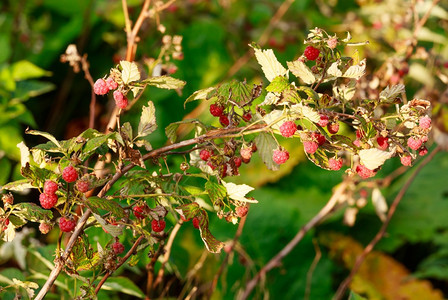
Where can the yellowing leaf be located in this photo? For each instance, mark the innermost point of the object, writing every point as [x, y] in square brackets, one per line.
[269, 64]
[373, 158]
[147, 123]
[300, 70]
[238, 191]
[389, 93]
[165, 82]
[130, 72]
[24, 154]
[356, 71]
[305, 111]
[334, 71]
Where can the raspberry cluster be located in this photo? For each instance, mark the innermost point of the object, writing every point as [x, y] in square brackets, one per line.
[48, 198]
[102, 87]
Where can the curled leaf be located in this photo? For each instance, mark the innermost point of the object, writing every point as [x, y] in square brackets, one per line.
[373, 158]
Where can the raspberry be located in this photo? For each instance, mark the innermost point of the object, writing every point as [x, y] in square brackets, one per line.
[48, 201]
[138, 211]
[237, 160]
[360, 134]
[69, 174]
[422, 151]
[224, 120]
[319, 138]
[333, 127]
[8, 199]
[224, 170]
[246, 153]
[111, 84]
[211, 165]
[364, 172]
[424, 122]
[406, 160]
[332, 42]
[335, 163]
[100, 87]
[280, 156]
[82, 186]
[241, 211]
[50, 187]
[196, 223]
[383, 143]
[310, 146]
[247, 116]
[363, 193]
[205, 154]
[120, 100]
[288, 129]
[311, 53]
[414, 143]
[254, 147]
[66, 225]
[118, 247]
[44, 228]
[424, 139]
[323, 121]
[357, 143]
[216, 110]
[183, 219]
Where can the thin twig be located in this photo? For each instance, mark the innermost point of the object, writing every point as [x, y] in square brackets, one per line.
[309, 275]
[88, 76]
[132, 38]
[360, 259]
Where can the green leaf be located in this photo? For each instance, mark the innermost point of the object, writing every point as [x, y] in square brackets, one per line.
[171, 130]
[18, 185]
[95, 143]
[147, 123]
[309, 92]
[279, 84]
[83, 256]
[211, 243]
[31, 88]
[188, 211]
[44, 134]
[266, 145]
[32, 212]
[126, 129]
[18, 222]
[300, 70]
[165, 82]
[354, 296]
[123, 285]
[199, 95]
[215, 191]
[130, 72]
[113, 230]
[319, 158]
[23, 69]
[95, 203]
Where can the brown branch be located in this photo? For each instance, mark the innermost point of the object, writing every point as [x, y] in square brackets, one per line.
[132, 37]
[276, 260]
[360, 259]
[88, 76]
[309, 275]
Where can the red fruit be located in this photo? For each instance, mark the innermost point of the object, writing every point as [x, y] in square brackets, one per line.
[211, 165]
[357, 143]
[422, 151]
[69, 174]
[363, 193]
[118, 247]
[311, 53]
[424, 139]
[406, 160]
[224, 120]
[288, 129]
[247, 116]
[66, 224]
[158, 225]
[82, 186]
[216, 110]
[246, 153]
[333, 127]
[138, 211]
[364, 172]
[44, 228]
[205, 154]
[8, 199]
[310, 146]
[111, 84]
[120, 100]
[50, 187]
[360, 134]
[196, 223]
[237, 160]
[383, 143]
[319, 138]
[224, 170]
[335, 163]
[100, 87]
[424, 122]
[254, 147]
[241, 211]
[48, 201]
[280, 156]
[323, 121]
[414, 143]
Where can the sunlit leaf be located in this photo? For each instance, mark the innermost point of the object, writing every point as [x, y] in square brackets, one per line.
[266, 145]
[123, 285]
[199, 95]
[373, 158]
[380, 204]
[301, 70]
[238, 191]
[165, 82]
[130, 72]
[147, 123]
[279, 84]
[109, 205]
[356, 71]
[269, 64]
[46, 135]
[391, 92]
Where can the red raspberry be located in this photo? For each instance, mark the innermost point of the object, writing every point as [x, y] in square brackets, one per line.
[323, 121]
[414, 143]
[82, 186]
[44, 228]
[216, 110]
[288, 129]
[100, 87]
[383, 143]
[224, 170]
[211, 165]
[357, 143]
[66, 225]
[319, 138]
[280, 156]
[48, 201]
[205, 154]
[5, 223]
[311, 53]
[224, 120]
[241, 211]
[120, 100]
[237, 160]
[50, 187]
[424, 139]
[363, 193]
[360, 134]
[424, 122]
[406, 160]
[111, 84]
[196, 223]
[247, 116]
[118, 247]
[333, 127]
[246, 153]
[310, 146]
[422, 151]
[364, 172]
[69, 174]
[335, 163]
[138, 211]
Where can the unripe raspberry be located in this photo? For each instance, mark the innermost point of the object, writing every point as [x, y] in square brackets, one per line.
[241, 211]
[318, 137]
[364, 172]
[138, 211]
[383, 143]
[311, 53]
[414, 143]
[237, 160]
[333, 127]
[310, 146]
[111, 84]
[205, 154]
[118, 247]
[246, 153]
[48, 201]
[216, 110]
[50, 187]
[288, 129]
[332, 42]
[44, 228]
[69, 174]
[196, 223]
[82, 186]
[323, 121]
[357, 143]
[224, 120]
[66, 224]
[335, 163]
[120, 100]
[422, 151]
[406, 160]
[280, 156]
[100, 87]
[424, 122]
[247, 116]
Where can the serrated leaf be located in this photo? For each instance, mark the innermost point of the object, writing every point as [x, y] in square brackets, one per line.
[305, 111]
[309, 92]
[211, 243]
[171, 131]
[10, 233]
[356, 71]
[32, 212]
[44, 134]
[126, 129]
[319, 158]
[215, 191]
[29, 286]
[390, 93]
[165, 82]
[301, 70]
[238, 191]
[147, 123]
[279, 84]
[24, 154]
[269, 64]
[95, 203]
[199, 95]
[373, 158]
[93, 144]
[113, 230]
[188, 211]
[266, 145]
[18, 222]
[273, 118]
[271, 98]
[130, 72]
[123, 285]
[334, 71]
[18, 185]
